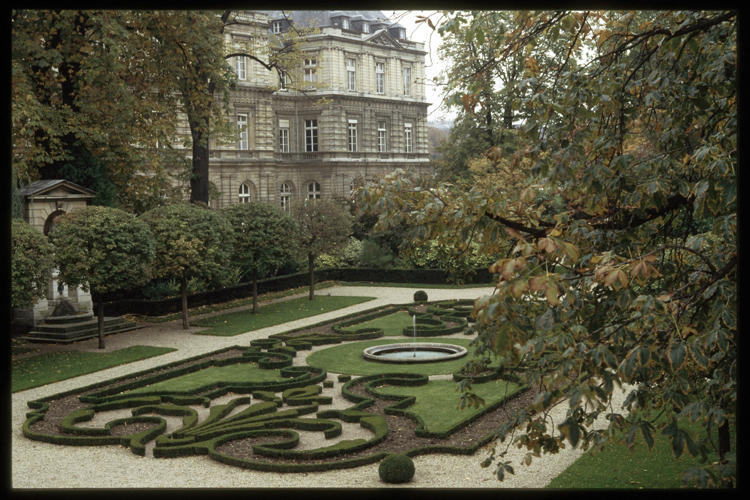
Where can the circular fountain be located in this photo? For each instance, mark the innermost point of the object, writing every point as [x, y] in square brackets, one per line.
[420, 352]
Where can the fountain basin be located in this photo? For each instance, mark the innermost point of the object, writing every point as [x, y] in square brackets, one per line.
[418, 352]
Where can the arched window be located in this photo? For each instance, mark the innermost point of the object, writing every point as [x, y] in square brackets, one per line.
[286, 196]
[245, 193]
[313, 191]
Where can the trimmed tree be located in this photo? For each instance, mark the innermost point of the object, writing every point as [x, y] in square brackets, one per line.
[324, 226]
[102, 249]
[190, 242]
[32, 262]
[264, 239]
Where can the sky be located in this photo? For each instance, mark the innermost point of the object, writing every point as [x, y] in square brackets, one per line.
[423, 33]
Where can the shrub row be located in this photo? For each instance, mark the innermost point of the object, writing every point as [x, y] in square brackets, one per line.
[133, 302]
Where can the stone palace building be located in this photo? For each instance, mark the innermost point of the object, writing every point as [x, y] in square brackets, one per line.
[289, 146]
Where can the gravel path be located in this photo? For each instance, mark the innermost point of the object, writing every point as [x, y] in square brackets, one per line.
[41, 465]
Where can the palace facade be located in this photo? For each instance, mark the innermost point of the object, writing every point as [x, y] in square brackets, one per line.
[290, 145]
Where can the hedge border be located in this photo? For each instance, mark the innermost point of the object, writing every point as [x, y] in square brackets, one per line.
[132, 302]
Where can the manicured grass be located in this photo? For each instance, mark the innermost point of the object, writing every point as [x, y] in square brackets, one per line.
[236, 323]
[616, 467]
[437, 402]
[223, 375]
[232, 304]
[53, 367]
[392, 325]
[347, 358]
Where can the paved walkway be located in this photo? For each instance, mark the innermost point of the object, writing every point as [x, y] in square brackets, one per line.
[42, 465]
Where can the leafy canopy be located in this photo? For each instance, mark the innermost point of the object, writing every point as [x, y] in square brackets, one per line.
[32, 261]
[102, 249]
[631, 279]
[190, 242]
[264, 236]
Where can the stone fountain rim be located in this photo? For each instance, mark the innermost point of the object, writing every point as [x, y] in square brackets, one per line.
[370, 352]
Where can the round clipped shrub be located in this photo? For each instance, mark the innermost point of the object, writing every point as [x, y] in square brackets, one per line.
[420, 296]
[396, 468]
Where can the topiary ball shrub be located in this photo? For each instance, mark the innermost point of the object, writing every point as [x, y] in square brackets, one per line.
[396, 468]
[420, 296]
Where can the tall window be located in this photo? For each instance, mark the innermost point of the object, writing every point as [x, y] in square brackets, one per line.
[380, 78]
[408, 137]
[276, 27]
[284, 136]
[313, 191]
[241, 67]
[244, 193]
[242, 127]
[286, 196]
[352, 135]
[311, 135]
[381, 137]
[282, 79]
[351, 74]
[407, 80]
[310, 67]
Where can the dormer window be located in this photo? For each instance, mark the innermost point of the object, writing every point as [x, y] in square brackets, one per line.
[276, 26]
[341, 21]
[398, 33]
[365, 28]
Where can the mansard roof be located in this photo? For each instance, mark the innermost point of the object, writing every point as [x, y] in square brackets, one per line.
[323, 18]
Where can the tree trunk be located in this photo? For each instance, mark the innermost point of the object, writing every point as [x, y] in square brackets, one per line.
[725, 446]
[100, 317]
[255, 291]
[183, 292]
[199, 179]
[311, 264]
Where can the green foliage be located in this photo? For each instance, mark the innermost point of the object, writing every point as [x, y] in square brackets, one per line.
[602, 278]
[32, 261]
[96, 81]
[396, 468]
[102, 249]
[420, 296]
[191, 242]
[93, 174]
[264, 237]
[323, 226]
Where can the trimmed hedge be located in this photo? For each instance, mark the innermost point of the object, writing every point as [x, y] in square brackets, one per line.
[397, 468]
[133, 302]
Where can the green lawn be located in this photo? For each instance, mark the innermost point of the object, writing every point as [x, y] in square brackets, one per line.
[616, 467]
[437, 402]
[53, 367]
[236, 323]
[347, 358]
[225, 375]
[392, 324]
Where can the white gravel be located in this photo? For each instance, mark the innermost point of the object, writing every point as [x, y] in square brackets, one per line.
[41, 465]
